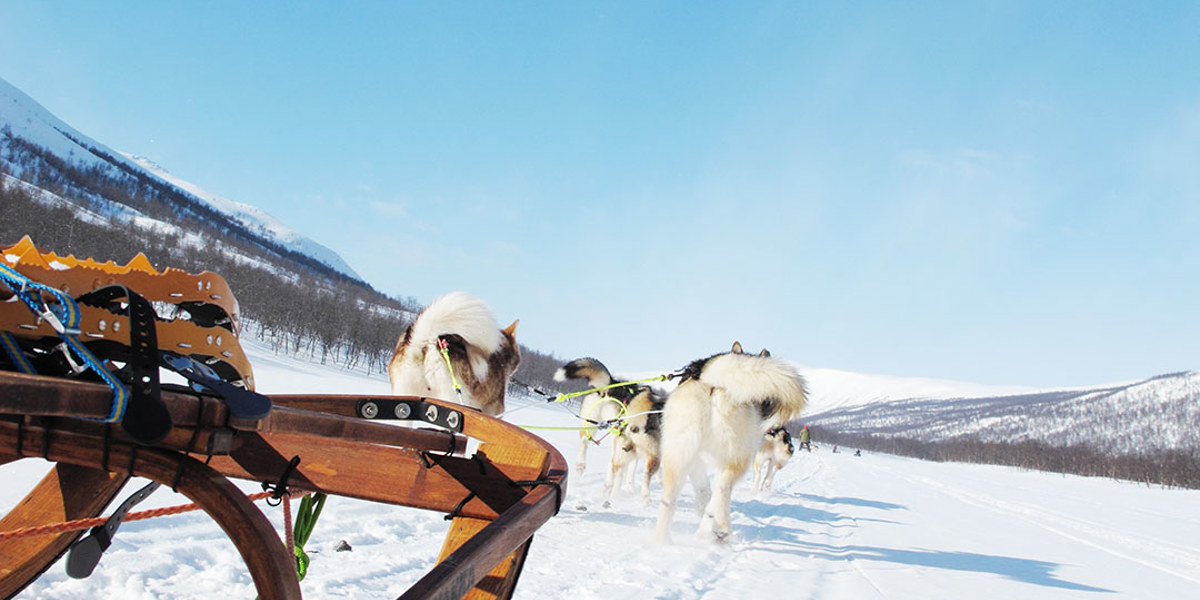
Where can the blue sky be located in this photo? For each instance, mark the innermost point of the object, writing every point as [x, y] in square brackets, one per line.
[995, 192]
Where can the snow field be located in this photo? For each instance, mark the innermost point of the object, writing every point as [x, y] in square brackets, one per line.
[836, 527]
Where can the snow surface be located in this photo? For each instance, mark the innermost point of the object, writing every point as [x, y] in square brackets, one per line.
[836, 527]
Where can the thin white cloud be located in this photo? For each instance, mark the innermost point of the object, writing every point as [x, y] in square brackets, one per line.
[390, 209]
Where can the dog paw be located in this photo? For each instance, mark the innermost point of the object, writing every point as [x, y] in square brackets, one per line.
[719, 537]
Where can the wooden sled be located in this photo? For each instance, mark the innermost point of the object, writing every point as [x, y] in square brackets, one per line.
[497, 495]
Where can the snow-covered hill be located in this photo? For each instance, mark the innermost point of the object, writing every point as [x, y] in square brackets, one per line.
[836, 527]
[23, 117]
[831, 389]
[1144, 417]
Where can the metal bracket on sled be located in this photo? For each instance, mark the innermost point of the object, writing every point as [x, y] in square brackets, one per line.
[410, 410]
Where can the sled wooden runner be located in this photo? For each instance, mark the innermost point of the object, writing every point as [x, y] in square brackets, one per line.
[497, 494]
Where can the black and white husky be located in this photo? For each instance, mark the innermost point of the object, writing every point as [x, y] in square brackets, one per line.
[718, 414]
[482, 355]
[633, 411]
[776, 450]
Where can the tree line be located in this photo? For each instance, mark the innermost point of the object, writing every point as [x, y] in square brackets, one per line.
[1170, 468]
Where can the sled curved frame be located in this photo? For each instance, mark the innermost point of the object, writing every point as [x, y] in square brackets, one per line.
[497, 496]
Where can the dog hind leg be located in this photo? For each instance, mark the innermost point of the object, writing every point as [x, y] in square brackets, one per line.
[673, 480]
[617, 467]
[759, 479]
[716, 522]
[652, 464]
[700, 486]
[769, 478]
[581, 461]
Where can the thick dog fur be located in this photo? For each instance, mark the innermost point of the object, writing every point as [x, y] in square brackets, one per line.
[637, 440]
[483, 355]
[777, 449]
[719, 414]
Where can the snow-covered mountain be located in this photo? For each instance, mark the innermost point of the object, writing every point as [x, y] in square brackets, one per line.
[23, 117]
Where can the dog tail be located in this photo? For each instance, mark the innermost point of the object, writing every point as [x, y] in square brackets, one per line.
[772, 383]
[458, 313]
[592, 370]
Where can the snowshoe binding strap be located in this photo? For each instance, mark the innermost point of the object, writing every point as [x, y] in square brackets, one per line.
[242, 403]
[146, 418]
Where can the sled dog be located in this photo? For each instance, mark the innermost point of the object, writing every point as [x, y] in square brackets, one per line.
[776, 451]
[635, 409]
[482, 355]
[718, 414]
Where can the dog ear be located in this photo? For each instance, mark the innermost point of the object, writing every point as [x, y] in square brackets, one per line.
[737, 348]
[765, 352]
[511, 330]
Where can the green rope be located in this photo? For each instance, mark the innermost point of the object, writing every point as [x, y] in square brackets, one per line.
[306, 518]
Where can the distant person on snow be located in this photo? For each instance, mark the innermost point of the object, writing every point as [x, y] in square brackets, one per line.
[804, 439]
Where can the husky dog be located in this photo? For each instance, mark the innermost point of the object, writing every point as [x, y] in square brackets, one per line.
[636, 410]
[719, 413]
[482, 355]
[776, 451]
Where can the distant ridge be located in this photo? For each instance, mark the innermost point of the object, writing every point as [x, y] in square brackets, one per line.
[24, 118]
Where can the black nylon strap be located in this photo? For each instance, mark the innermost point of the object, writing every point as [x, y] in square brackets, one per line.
[146, 420]
[86, 552]
[242, 403]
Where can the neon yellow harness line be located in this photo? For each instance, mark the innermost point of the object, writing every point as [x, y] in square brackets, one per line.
[444, 348]
[562, 397]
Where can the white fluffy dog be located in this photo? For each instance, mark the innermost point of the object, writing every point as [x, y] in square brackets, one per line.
[718, 414]
[482, 355]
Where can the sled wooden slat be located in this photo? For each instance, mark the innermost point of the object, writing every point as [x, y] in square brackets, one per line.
[288, 420]
[498, 496]
[379, 473]
[44, 396]
[67, 492]
[476, 425]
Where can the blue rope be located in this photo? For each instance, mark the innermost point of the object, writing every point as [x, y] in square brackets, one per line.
[64, 316]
